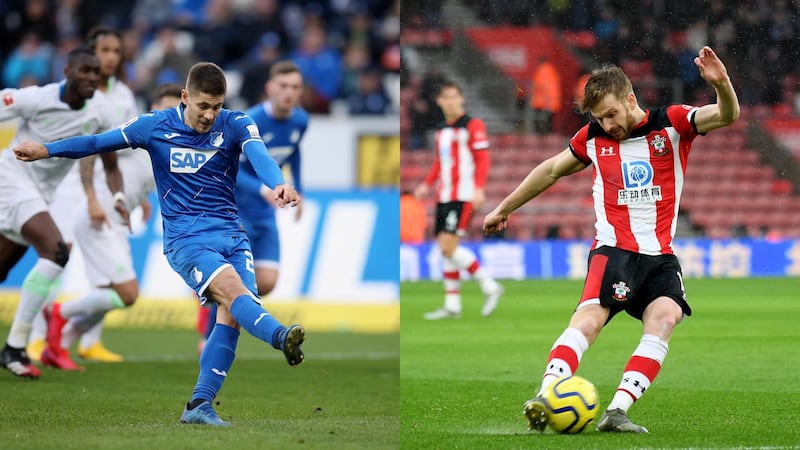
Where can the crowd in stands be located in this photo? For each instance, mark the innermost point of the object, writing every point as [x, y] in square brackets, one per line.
[348, 50]
[655, 42]
[758, 38]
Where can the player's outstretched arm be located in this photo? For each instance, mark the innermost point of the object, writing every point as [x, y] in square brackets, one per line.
[30, 151]
[726, 110]
[539, 180]
[74, 147]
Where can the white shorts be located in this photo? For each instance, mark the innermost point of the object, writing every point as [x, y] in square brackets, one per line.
[106, 252]
[69, 202]
[20, 200]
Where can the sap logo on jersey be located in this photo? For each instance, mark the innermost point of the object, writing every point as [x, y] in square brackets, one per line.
[188, 160]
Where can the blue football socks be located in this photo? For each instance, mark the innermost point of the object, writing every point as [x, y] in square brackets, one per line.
[215, 362]
[258, 322]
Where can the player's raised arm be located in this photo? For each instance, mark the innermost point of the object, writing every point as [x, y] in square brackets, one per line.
[726, 110]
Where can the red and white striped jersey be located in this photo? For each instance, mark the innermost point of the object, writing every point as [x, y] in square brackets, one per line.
[638, 181]
[461, 164]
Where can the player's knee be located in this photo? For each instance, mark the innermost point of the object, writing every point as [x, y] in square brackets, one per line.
[125, 294]
[224, 291]
[129, 297]
[589, 320]
[266, 285]
[669, 321]
[62, 254]
[663, 318]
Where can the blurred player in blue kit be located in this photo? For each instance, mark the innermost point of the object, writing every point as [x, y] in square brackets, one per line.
[195, 150]
[282, 124]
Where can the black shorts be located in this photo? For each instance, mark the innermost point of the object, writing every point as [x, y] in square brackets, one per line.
[453, 217]
[628, 281]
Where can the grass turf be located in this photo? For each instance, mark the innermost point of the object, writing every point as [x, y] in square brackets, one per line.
[345, 395]
[729, 381]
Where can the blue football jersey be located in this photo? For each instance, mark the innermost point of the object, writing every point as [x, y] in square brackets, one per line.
[282, 138]
[195, 172]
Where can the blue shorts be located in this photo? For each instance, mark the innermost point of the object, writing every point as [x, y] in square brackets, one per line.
[198, 260]
[263, 234]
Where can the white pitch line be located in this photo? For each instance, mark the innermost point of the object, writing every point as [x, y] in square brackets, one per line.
[330, 356]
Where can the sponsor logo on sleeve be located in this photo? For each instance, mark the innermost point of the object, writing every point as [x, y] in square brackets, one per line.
[253, 130]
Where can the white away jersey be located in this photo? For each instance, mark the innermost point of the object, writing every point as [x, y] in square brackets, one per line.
[638, 181]
[137, 172]
[44, 117]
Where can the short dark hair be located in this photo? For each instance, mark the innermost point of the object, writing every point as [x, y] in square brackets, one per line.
[77, 53]
[448, 85]
[168, 90]
[208, 78]
[282, 68]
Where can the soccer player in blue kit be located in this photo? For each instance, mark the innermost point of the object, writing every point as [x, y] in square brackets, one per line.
[195, 150]
[282, 124]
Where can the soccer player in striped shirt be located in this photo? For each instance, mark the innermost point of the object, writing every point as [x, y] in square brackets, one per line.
[461, 168]
[194, 151]
[639, 160]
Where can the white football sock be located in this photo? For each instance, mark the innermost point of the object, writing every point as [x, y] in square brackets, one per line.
[34, 292]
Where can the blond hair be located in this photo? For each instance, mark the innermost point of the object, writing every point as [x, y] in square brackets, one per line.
[606, 80]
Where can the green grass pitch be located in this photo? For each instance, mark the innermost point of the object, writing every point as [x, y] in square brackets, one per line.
[730, 380]
[344, 396]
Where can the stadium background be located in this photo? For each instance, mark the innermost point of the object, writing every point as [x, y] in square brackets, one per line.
[740, 212]
[339, 269]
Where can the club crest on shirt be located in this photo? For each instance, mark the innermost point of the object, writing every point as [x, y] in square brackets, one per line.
[197, 274]
[217, 139]
[659, 144]
[621, 291]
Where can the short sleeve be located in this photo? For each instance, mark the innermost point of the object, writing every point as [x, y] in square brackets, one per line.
[18, 102]
[682, 119]
[478, 140]
[244, 128]
[578, 145]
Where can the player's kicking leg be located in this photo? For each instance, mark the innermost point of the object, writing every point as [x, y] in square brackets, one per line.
[237, 306]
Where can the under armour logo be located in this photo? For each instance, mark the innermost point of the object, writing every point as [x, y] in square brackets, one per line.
[606, 151]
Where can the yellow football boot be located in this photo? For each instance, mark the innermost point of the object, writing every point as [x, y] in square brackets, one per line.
[98, 352]
[35, 348]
